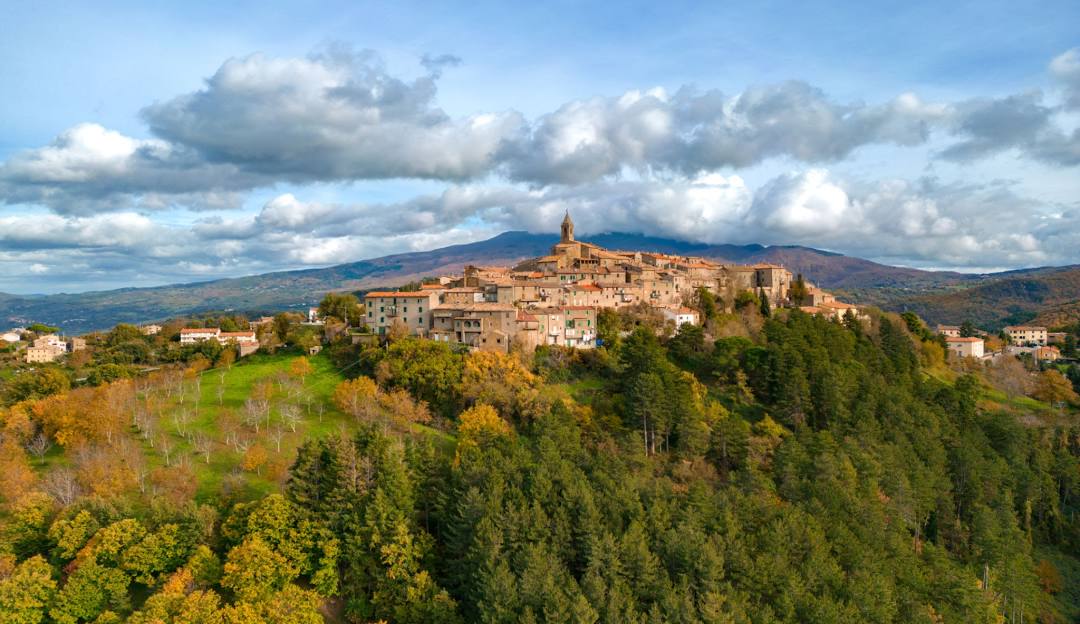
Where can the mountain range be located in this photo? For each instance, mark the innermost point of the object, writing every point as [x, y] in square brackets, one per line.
[939, 296]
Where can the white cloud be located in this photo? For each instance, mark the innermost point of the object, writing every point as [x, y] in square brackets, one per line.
[1066, 68]
[340, 116]
[921, 222]
[336, 115]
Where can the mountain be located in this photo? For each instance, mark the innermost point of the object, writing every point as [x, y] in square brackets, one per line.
[857, 279]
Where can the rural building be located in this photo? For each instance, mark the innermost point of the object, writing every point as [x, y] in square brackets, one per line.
[192, 335]
[410, 308]
[681, 316]
[1026, 334]
[51, 340]
[44, 353]
[150, 330]
[246, 341]
[965, 347]
[1047, 354]
[949, 331]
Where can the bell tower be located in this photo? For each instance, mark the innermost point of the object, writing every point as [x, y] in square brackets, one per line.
[567, 229]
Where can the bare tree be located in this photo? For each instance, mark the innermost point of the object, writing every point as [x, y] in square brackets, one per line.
[147, 426]
[62, 485]
[253, 414]
[204, 445]
[276, 434]
[39, 445]
[221, 392]
[243, 442]
[165, 445]
[181, 420]
[290, 416]
[198, 393]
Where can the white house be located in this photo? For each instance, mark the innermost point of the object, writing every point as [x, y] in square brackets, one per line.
[681, 316]
[198, 334]
[965, 347]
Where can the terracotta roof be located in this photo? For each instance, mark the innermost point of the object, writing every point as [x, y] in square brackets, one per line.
[200, 330]
[1024, 328]
[963, 339]
[432, 287]
[239, 334]
[397, 293]
[588, 287]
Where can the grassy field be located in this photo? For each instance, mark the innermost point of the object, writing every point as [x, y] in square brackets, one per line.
[237, 383]
[319, 417]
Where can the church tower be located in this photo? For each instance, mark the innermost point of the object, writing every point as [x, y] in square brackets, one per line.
[567, 229]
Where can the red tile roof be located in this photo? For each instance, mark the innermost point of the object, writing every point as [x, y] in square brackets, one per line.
[412, 294]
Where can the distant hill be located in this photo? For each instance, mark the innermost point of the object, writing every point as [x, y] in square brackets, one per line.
[858, 279]
[1049, 296]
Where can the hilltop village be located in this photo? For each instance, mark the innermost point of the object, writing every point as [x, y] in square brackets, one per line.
[554, 299]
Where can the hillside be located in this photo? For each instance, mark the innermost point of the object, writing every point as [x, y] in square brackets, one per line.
[82, 312]
[1049, 296]
[409, 483]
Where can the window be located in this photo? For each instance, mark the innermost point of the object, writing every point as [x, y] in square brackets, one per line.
[382, 309]
[404, 308]
[382, 320]
[421, 310]
[369, 314]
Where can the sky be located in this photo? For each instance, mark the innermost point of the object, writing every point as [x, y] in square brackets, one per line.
[154, 143]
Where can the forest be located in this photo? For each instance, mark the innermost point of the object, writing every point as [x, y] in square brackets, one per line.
[763, 468]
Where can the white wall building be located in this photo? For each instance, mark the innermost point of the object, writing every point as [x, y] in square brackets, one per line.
[965, 347]
[681, 316]
[198, 334]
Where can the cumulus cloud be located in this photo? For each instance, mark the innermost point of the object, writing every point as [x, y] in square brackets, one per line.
[335, 115]
[340, 115]
[1022, 122]
[89, 168]
[651, 161]
[922, 222]
[693, 131]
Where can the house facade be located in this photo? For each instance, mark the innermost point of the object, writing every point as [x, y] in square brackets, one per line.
[965, 347]
[1026, 334]
[412, 309]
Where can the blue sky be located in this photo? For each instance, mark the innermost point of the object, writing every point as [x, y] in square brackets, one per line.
[150, 143]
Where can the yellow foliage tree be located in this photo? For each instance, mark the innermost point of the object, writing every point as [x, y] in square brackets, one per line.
[300, 368]
[482, 422]
[1052, 387]
[499, 380]
[254, 458]
[18, 476]
[356, 397]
